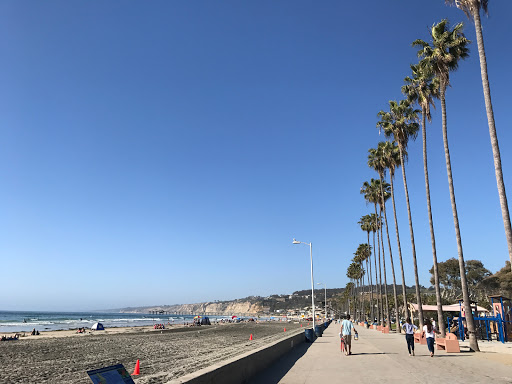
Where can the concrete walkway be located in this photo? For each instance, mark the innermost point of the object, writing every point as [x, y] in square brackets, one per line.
[383, 358]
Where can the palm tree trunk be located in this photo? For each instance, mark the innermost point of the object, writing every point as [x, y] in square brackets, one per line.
[473, 343]
[356, 298]
[372, 308]
[386, 309]
[416, 278]
[355, 302]
[376, 279]
[397, 322]
[381, 304]
[492, 132]
[368, 275]
[358, 290]
[440, 317]
[406, 309]
[361, 296]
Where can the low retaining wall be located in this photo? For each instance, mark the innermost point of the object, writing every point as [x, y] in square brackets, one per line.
[242, 368]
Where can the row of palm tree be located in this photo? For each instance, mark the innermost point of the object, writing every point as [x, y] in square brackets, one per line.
[429, 80]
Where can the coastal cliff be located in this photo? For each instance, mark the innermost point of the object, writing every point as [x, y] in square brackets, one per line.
[227, 308]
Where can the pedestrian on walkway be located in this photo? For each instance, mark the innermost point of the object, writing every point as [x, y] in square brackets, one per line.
[346, 333]
[429, 331]
[409, 328]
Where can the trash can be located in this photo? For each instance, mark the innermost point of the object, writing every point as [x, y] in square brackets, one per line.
[310, 335]
[319, 330]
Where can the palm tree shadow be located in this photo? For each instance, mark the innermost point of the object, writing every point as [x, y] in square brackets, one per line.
[372, 353]
[277, 370]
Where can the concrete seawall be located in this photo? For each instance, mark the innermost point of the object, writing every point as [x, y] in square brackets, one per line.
[242, 368]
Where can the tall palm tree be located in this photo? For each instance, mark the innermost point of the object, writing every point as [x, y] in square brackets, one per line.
[371, 196]
[382, 206]
[359, 258]
[385, 304]
[378, 227]
[472, 8]
[377, 185]
[366, 226]
[421, 88]
[377, 161]
[347, 292]
[364, 251]
[401, 123]
[391, 157]
[448, 47]
[354, 273]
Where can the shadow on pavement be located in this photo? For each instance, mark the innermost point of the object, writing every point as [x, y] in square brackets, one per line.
[372, 353]
[275, 372]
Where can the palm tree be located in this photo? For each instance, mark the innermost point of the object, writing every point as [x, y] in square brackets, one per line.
[401, 123]
[472, 8]
[377, 184]
[382, 206]
[421, 88]
[366, 226]
[391, 157]
[448, 47]
[386, 310]
[378, 228]
[377, 161]
[354, 273]
[349, 288]
[371, 196]
[355, 259]
[364, 251]
[359, 258]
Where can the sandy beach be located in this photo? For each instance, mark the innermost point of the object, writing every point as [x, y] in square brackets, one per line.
[65, 356]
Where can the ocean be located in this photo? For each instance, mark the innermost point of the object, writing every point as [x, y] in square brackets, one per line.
[25, 321]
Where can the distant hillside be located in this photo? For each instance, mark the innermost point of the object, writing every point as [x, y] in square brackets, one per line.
[255, 305]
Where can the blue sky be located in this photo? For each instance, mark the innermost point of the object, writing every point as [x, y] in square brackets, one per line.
[168, 152]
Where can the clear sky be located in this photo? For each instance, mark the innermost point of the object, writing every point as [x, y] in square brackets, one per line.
[168, 152]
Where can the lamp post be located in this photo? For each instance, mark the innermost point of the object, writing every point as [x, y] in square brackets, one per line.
[325, 287]
[312, 283]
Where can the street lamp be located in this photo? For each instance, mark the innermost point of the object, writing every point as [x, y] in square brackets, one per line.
[325, 286]
[312, 283]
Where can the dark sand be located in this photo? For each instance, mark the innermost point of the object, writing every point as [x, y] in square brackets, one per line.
[164, 355]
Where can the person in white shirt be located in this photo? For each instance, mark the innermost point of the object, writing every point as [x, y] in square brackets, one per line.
[409, 328]
[429, 332]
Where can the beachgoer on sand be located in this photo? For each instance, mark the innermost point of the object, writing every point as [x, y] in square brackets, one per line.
[409, 328]
[429, 331]
[346, 333]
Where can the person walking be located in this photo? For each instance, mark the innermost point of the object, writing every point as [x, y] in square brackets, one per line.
[409, 329]
[429, 331]
[346, 333]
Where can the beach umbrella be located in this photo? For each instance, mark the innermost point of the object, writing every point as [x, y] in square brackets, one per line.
[197, 317]
[233, 317]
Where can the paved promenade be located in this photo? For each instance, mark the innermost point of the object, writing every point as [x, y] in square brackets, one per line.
[381, 358]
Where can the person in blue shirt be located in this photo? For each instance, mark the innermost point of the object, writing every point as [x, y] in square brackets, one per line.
[409, 335]
[346, 333]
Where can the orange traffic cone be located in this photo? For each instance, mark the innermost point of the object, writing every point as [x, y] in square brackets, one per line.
[136, 371]
[250, 338]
